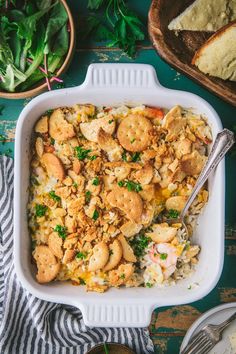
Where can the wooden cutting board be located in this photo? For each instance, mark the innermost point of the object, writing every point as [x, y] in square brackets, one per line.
[178, 50]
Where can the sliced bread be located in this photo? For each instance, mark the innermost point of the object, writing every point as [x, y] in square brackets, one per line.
[205, 15]
[217, 57]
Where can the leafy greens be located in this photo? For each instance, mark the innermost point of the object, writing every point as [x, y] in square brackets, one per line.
[33, 35]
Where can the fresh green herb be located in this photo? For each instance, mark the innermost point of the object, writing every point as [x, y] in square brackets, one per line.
[81, 255]
[132, 186]
[2, 139]
[75, 184]
[33, 244]
[93, 157]
[132, 140]
[61, 230]
[111, 121]
[34, 41]
[172, 214]
[82, 281]
[122, 276]
[187, 246]
[52, 141]
[1, 109]
[34, 181]
[40, 210]
[55, 197]
[87, 196]
[135, 157]
[110, 252]
[121, 183]
[95, 181]
[189, 287]
[163, 256]
[105, 348]
[7, 152]
[124, 156]
[49, 112]
[95, 215]
[119, 27]
[149, 285]
[139, 243]
[81, 153]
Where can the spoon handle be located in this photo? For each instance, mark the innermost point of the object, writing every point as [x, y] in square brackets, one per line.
[223, 142]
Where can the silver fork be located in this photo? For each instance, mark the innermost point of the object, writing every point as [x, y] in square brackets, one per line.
[207, 338]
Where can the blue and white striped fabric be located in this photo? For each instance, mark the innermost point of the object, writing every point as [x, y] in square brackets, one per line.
[29, 325]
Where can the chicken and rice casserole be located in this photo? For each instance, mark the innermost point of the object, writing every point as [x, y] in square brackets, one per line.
[103, 182]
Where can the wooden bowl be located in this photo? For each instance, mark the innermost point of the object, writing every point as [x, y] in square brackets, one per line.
[42, 85]
[178, 51]
[114, 348]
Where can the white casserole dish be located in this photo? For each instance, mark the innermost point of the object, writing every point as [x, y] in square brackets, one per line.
[115, 84]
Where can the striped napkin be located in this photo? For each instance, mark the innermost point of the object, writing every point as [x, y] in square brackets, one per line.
[29, 325]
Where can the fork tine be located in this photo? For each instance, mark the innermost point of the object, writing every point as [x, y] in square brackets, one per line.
[205, 349]
[195, 339]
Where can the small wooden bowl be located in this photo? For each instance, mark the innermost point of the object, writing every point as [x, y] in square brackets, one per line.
[42, 86]
[114, 348]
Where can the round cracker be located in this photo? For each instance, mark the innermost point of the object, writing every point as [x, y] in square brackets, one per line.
[133, 133]
[55, 244]
[99, 257]
[129, 202]
[115, 255]
[47, 265]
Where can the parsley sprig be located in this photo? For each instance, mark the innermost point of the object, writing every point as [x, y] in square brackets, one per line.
[131, 186]
[118, 27]
[40, 210]
[61, 230]
[139, 243]
[53, 196]
[173, 214]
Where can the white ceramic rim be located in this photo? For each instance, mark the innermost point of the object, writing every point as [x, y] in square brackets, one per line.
[202, 318]
[125, 307]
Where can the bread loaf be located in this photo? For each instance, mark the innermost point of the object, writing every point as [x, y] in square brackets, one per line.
[205, 15]
[217, 57]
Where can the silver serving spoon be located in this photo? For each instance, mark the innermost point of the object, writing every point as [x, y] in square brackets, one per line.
[223, 142]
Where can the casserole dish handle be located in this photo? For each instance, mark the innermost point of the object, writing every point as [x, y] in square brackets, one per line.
[117, 76]
[103, 314]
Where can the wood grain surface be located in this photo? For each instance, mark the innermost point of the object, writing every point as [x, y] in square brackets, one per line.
[179, 50]
[169, 324]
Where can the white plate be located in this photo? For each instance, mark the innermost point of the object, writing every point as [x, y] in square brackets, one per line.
[215, 316]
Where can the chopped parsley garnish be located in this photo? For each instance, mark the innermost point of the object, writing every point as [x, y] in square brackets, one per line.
[132, 140]
[61, 230]
[34, 181]
[121, 183]
[81, 153]
[82, 281]
[49, 111]
[187, 246]
[95, 215]
[87, 196]
[110, 252]
[81, 255]
[111, 121]
[173, 214]
[33, 244]
[124, 156]
[130, 185]
[149, 285]
[163, 256]
[93, 157]
[135, 157]
[139, 243]
[75, 185]
[40, 210]
[54, 196]
[122, 276]
[95, 181]
[52, 141]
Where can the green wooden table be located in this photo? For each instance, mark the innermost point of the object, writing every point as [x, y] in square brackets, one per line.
[169, 324]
